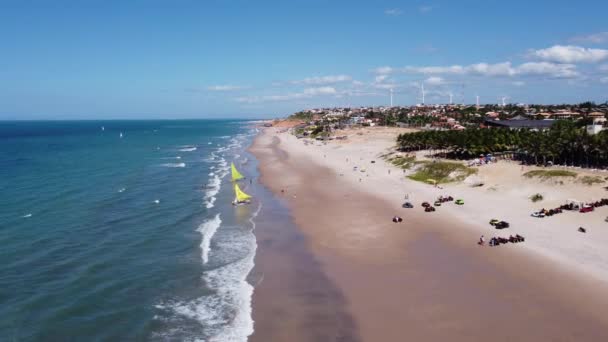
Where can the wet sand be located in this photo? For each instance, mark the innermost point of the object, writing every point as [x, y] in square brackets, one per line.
[294, 300]
[418, 280]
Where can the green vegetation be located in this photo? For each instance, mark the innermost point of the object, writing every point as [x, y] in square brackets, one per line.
[305, 115]
[590, 180]
[442, 172]
[403, 162]
[316, 130]
[564, 143]
[546, 174]
[536, 198]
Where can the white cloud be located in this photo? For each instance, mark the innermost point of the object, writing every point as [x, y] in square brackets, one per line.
[571, 54]
[548, 69]
[381, 78]
[435, 80]
[319, 91]
[603, 67]
[518, 83]
[425, 8]
[324, 80]
[454, 69]
[505, 69]
[359, 93]
[385, 85]
[499, 69]
[595, 38]
[393, 12]
[384, 70]
[225, 87]
[358, 83]
[604, 79]
[305, 94]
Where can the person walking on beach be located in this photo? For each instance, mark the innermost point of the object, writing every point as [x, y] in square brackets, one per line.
[482, 240]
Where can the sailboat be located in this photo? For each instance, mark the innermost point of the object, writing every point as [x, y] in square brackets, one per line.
[241, 197]
[236, 175]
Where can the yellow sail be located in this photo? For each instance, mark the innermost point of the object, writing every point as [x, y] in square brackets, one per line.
[240, 195]
[236, 175]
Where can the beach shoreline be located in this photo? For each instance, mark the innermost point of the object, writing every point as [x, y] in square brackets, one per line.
[417, 276]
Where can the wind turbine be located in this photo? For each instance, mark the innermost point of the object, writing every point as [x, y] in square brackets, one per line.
[462, 93]
[503, 100]
[422, 92]
[451, 97]
[391, 91]
[477, 101]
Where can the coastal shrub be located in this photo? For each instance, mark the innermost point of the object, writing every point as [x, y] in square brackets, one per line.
[546, 174]
[403, 162]
[590, 180]
[536, 197]
[316, 131]
[441, 172]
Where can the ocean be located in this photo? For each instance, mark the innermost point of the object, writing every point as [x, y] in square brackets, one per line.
[124, 231]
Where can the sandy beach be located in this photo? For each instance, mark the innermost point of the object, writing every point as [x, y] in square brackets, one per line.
[426, 278]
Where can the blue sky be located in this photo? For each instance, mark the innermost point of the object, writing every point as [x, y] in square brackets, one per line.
[91, 59]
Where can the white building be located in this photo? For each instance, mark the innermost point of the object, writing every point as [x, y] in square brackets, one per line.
[596, 127]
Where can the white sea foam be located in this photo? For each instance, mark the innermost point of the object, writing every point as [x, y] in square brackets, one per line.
[157, 201]
[174, 165]
[187, 149]
[207, 230]
[215, 183]
[213, 187]
[27, 215]
[226, 313]
[122, 190]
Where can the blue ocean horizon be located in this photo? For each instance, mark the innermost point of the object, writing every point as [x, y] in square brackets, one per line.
[123, 230]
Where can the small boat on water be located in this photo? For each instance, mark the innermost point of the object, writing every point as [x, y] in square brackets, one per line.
[240, 196]
[236, 175]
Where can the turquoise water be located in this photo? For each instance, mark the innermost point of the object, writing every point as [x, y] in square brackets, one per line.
[110, 238]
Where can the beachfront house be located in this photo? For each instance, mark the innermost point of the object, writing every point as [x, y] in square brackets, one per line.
[565, 114]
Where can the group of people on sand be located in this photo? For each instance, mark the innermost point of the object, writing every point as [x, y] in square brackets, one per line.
[495, 241]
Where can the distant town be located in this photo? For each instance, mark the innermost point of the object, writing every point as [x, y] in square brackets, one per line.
[574, 135]
[460, 117]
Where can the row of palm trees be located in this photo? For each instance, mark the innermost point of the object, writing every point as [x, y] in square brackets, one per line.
[564, 143]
